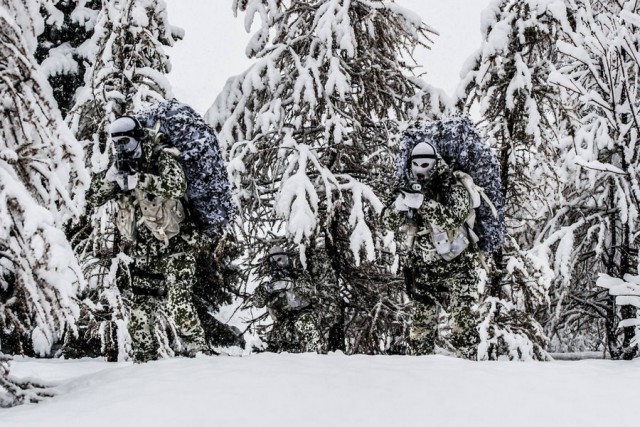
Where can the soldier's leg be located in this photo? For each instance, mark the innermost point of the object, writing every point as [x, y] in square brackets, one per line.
[424, 328]
[281, 336]
[142, 317]
[308, 336]
[180, 274]
[424, 311]
[464, 327]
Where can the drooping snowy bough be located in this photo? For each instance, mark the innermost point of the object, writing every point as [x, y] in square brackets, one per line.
[594, 230]
[42, 185]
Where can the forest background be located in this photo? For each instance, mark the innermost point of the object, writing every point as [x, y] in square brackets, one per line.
[215, 41]
[556, 85]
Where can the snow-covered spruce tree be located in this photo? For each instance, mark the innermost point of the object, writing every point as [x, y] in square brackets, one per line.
[62, 45]
[42, 185]
[306, 133]
[127, 73]
[521, 119]
[596, 230]
[128, 64]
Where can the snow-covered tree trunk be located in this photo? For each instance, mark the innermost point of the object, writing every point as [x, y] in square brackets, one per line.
[627, 294]
[42, 185]
[306, 129]
[595, 232]
[127, 73]
[521, 119]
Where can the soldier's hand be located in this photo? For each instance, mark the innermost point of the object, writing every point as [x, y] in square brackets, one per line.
[410, 200]
[114, 175]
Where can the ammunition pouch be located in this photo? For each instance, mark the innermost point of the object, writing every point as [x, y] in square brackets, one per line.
[161, 216]
[451, 244]
[126, 218]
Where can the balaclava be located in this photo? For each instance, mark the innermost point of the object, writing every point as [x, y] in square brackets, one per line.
[127, 132]
[423, 161]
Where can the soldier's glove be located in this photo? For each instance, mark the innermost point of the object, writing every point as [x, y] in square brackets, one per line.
[278, 286]
[115, 175]
[406, 201]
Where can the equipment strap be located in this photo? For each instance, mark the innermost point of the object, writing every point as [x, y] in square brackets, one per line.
[149, 292]
[482, 193]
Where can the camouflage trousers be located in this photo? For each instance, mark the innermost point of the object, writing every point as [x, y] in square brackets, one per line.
[298, 333]
[178, 271]
[449, 286]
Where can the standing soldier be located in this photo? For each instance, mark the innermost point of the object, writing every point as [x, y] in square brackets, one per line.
[437, 212]
[147, 183]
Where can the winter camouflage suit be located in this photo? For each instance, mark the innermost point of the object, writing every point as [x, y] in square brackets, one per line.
[302, 314]
[431, 281]
[163, 266]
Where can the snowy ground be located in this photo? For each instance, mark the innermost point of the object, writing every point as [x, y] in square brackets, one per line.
[331, 390]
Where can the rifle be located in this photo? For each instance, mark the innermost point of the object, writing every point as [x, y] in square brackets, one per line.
[124, 161]
[411, 226]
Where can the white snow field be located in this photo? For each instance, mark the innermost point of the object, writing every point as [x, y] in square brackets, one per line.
[331, 390]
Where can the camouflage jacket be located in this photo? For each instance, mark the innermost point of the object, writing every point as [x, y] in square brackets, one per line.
[446, 204]
[160, 175]
[316, 286]
[285, 293]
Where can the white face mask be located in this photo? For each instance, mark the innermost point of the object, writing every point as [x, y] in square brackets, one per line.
[423, 161]
[130, 145]
[422, 168]
[280, 259]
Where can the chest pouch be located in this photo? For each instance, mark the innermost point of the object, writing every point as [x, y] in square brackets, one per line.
[161, 216]
[451, 244]
[295, 301]
[126, 218]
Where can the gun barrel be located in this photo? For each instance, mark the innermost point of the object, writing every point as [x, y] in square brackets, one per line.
[123, 163]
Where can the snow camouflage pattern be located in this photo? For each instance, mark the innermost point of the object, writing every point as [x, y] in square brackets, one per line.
[208, 190]
[179, 272]
[457, 294]
[158, 268]
[303, 329]
[294, 329]
[459, 144]
[431, 281]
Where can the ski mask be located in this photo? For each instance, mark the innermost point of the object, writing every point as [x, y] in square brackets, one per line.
[278, 258]
[280, 266]
[423, 161]
[126, 133]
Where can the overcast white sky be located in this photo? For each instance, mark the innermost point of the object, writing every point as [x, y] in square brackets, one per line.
[215, 41]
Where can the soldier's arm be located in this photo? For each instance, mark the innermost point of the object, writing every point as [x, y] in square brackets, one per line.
[101, 190]
[452, 212]
[259, 297]
[170, 183]
[391, 218]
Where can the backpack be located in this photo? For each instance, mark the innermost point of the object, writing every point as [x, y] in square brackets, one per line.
[460, 145]
[208, 188]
